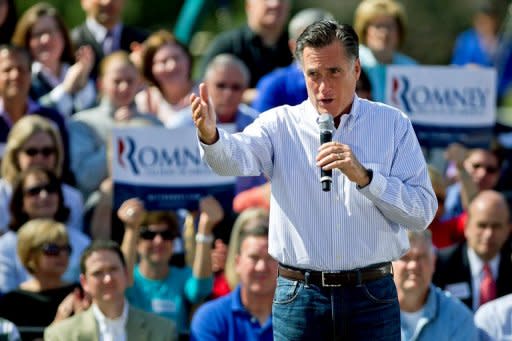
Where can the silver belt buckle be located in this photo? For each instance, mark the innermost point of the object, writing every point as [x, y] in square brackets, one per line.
[327, 285]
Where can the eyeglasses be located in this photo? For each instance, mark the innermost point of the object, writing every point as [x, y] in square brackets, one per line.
[52, 249]
[232, 87]
[488, 169]
[150, 235]
[45, 151]
[36, 190]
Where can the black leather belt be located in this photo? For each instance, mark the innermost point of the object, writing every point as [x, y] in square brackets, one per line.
[338, 278]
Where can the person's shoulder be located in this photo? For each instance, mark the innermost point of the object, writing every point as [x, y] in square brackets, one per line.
[57, 330]
[379, 110]
[245, 110]
[498, 308]
[448, 254]
[151, 320]
[449, 304]
[216, 308]
[402, 59]
[134, 33]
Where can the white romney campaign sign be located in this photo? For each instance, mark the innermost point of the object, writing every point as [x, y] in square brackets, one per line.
[445, 103]
[163, 167]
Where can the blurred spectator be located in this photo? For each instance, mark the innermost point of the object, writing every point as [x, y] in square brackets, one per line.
[104, 277]
[90, 130]
[426, 312]
[444, 233]
[381, 27]
[60, 79]
[479, 269]
[153, 285]
[35, 141]
[244, 314]
[479, 44]
[493, 319]
[226, 78]
[166, 65]
[44, 250]
[8, 19]
[262, 44]
[37, 193]
[104, 30]
[15, 102]
[286, 85]
[477, 170]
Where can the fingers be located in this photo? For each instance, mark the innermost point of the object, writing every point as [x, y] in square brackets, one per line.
[203, 92]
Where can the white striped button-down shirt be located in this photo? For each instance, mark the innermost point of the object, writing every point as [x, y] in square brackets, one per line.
[348, 227]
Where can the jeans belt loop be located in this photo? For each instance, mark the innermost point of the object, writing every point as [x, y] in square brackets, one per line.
[306, 279]
[359, 278]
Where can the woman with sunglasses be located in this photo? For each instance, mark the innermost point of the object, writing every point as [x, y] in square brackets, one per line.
[44, 250]
[34, 141]
[154, 286]
[60, 77]
[37, 193]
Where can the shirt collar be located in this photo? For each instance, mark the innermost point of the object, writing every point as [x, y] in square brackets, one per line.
[476, 264]
[347, 120]
[106, 323]
[99, 31]
[37, 67]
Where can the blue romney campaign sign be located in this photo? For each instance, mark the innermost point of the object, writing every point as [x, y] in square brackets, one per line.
[445, 103]
[163, 167]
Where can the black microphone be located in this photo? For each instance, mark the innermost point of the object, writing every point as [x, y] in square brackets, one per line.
[326, 125]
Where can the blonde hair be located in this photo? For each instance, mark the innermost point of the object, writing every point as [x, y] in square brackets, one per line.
[35, 233]
[369, 10]
[20, 133]
[245, 221]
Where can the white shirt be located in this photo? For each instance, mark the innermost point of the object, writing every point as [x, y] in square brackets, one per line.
[476, 266]
[347, 227]
[100, 32]
[111, 329]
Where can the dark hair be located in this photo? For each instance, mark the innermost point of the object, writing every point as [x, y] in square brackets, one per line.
[151, 46]
[19, 51]
[31, 16]
[18, 214]
[258, 229]
[7, 28]
[323, 33]
[168, 218]
[101, 245]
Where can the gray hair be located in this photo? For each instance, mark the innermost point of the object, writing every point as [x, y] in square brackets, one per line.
[304, 18]
[323, 33]
[424, 236]
[228, 60]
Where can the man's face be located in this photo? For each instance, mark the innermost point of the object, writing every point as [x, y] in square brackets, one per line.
[413, 271]
[487, 227]
[256, 268]
[267, 14]
[330, 78]
[105, 278]
[226, 85]
[483, 167]
[119, 84]
[105, 12]
[14, 76]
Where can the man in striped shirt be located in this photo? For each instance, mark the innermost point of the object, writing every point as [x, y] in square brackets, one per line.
[334, 248]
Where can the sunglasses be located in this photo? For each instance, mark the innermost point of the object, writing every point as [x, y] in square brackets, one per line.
[233, 87]
[49, 188]
[52, 249]
[488, 169]
[150, 235]
[45, 151]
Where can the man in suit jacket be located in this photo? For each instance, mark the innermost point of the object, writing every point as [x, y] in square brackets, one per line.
[104, 278]
[104, 31]
[461, 268]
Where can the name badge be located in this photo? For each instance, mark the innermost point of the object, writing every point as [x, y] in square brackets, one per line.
[459, 290]
[163, 306]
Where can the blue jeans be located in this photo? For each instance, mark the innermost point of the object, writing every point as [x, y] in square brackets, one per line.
[369, 311]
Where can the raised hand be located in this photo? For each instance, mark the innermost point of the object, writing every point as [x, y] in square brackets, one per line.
[204, 116]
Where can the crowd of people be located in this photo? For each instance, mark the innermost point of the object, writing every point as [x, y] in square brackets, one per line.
[73, 266]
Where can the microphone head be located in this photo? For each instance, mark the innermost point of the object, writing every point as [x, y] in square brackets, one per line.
[326, 122]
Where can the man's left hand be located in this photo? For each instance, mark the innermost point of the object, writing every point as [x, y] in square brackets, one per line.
[335, 155]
